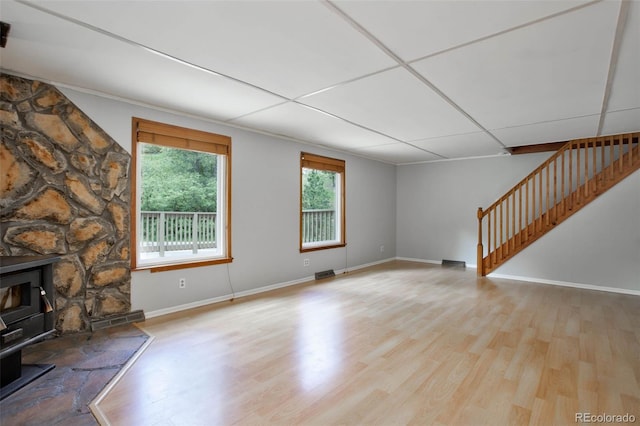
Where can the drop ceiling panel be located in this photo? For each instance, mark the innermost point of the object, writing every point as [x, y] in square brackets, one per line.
[529, 71]
[551, 131]
[301, 122]
[290, 48]
[476, 144]
[621, 122]
[397, 153]
[62, 52]
[553, 70]
[414, 29]
[625, 91]
[394, 103]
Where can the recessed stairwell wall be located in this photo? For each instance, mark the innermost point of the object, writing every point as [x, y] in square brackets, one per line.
[599, 246]
[64, 186]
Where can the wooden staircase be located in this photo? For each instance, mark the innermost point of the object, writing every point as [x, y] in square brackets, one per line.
[570, 179]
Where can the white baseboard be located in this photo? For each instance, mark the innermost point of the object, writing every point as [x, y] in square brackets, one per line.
[184, 307]
[274, 286]
[227, 297]
[251, 292]
[364, 265]
[411, 259]
[566, 284]
[538, 280]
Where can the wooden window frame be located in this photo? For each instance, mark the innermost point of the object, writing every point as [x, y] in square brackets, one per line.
[147, 131]
[318, 162]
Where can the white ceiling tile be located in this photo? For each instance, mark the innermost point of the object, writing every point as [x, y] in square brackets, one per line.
[394, 103]
[621, 122]
[397, 153]
[476, 144]
[625, 91]
[413, 29]
[542, 82]
[306, 124]
[551, 131]
[553, 70]
[288, 47]
[100, 63]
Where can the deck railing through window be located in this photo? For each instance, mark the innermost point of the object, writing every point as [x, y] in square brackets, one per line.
[318, 225]
[173, 231]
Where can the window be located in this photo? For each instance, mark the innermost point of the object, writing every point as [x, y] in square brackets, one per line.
[181, 206]
[322, 195]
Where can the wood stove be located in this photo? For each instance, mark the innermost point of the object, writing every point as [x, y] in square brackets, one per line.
[26, 316]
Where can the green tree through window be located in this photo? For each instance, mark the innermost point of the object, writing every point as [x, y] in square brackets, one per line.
[193, 183]
[319, 189]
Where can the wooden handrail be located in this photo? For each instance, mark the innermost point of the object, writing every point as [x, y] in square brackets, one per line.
[553, 191]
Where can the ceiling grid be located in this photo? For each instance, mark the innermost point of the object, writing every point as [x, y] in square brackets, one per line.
[395, 81]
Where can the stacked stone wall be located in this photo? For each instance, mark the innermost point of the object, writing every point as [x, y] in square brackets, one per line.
[64, 189]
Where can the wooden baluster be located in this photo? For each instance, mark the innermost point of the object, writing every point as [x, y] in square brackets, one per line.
[489, 248]
[586, 169]
[620, 153]
[495, 235]
[520, 212]
[602, 167]
[611, 156]
[630, 139]
[540, 200]
[506, 201]
[533, 202]
[480, 252]
[571, 197]
[526, 211]
[555, 190]
[563, 196]
[578, 171]
[513, 222]
[587, 181]
[548, 209]
[501, 232]
[594, 184]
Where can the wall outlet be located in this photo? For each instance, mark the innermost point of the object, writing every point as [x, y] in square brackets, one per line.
[182, 283]
[381, 249]
[306, 262]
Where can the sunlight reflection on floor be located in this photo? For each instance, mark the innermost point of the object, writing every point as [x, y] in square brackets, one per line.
[319, 340]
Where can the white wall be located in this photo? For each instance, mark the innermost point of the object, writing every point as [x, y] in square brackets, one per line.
[436, 219]
[265, 217]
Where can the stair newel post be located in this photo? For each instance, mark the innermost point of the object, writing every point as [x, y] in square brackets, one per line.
[480, 248]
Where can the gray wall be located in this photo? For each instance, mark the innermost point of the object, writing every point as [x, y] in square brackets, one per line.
[436, 219]
[265, 218]
[425, 212]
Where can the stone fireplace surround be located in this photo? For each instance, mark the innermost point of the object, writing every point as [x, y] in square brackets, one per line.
[65, 190]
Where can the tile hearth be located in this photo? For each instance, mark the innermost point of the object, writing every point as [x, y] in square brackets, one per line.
[85, 363]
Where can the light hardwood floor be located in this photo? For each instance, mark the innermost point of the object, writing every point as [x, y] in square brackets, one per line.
[399, 343]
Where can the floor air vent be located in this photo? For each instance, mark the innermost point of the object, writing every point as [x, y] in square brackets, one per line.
[112, 321]
[325, 274]
[454, 263]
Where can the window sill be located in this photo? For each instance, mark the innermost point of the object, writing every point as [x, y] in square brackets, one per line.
[181, 265]
[315, 248]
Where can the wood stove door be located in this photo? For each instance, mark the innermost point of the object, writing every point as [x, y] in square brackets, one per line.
[20, 295]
